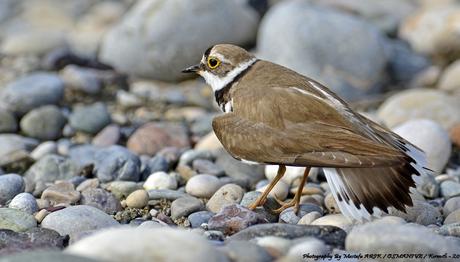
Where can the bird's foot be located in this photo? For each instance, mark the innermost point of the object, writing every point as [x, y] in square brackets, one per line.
[258, 202]
[286, 205]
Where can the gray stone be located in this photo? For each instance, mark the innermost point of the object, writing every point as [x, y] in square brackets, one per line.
[16, 220]
[34, 239]
[90, 118]
[184, 206]
[154, 164]
[87, 184]
[116, 163]
[170, 195]
[82, 79]
[202, 186]
[226, 195]
[45, 148]
[108, 136]
[309, 218]
[245, 251]
[451, 205]
[453, 218]
[198, 218]
[234, 218]
[10, 186]
[77, 219]
[380, 238]
[8, 122]
[25, 202]
[450, 230]
[144, 31]
[290, 217]
[191, 155]
[305, 38]
[421, 213]
[146, 244]
[450, 189]
[203, 166]
[31, 91]
[62, 192]
[44, 123]
[14, 147]
[331, 235]
[100, 199]
[83, 155]
[121, 189]
[47, 170]
[251, 174]
[45, 256]
[428, 186]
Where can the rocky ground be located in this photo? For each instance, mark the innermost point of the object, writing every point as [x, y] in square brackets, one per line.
[107, 152]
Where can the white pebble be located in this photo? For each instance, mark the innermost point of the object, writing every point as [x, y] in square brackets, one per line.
[160, 180]
[202, 186]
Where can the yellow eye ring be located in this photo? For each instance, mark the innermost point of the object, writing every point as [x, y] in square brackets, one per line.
[213, 62]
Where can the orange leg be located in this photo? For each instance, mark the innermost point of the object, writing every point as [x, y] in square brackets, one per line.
[261, 200]
[295, 202]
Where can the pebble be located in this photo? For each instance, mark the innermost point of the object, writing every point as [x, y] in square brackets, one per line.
[32, 91]
[170, 195]
[331, 204]
[290, 217]
[44, 123]
[160, 180]
[431, 137]
[380, 238]
[226, 195]
[15, 148]
[187, 158]
[280, 190]
[45, 148]
[121, 189]
[337, 220]
[234, 218]
[153, 165]
[14, 243]
[331, 235]
[101, 199]
[47, 170]
[61, 193]
[428, 186]
[184, 206]
[150, 138]
[82, 79]
[90, 118]
[8, 122]
[450, 189]
[10, 186]
[450, 230]
[147, 244]
[108, 136]
[245, 251]
[116, 163]
[202, 186]
[453, 217]
[25, 202]
[417, 104]
[308, 218]
[203, 166]
[40, 215]
[196, 219]
[239, 170]
[240, 26]
[45, 256]
[138, 199]
[76, 219]
[451, 205]
[449, 80]
[16, 220]
[309, 245]
[276, 246]
[88, 184]
[421, 213]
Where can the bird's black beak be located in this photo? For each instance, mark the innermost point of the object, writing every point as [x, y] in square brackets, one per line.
[192, 69]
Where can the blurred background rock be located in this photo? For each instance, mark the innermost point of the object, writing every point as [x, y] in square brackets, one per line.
[94, 107]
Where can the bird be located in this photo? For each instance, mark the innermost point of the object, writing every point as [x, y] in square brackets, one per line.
[274, 115]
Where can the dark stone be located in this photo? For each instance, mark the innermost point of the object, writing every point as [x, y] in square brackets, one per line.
[234, 218]
[331, 235]
[155, 164]
[36, 238]
[200, 217]
[101, 199]
[239, 170]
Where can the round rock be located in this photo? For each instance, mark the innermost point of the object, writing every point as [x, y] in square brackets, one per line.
[226, 195]
[8, 122]
[10, 186]
[184, 206]
[25, 202]
[451, 205]
[90, 118]
[160, 180]
[16, 220]
[100, 199]
[450, 189]
[198, 218]
[137, 199]
[202, 186]
[44, 123]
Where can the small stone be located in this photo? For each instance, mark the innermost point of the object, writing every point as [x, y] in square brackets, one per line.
[138, 199]
[109, 135]
[16, 220]
[40, 215]
[45, 148]
[245, 251]
[308, 218]
[427, 186]
[153, 165]
[203, 166]
[451, 205]
[42, 203]
[101, 199]
[337, 220]
[452, 218]
[10, 186]
[16, 247]
[290, 217]
[280, 190]
[61, 193]
[170, 195]
[87, 184]
[202, 186]
[420, 213]
[116, 163]
[81, 79]
[234, 218]
[15, 148]
[187, 158]
[196, 219]
[331, 204]
[238, 170]
[150, 138]
[308, 245]
[8, 122]
[77, 219]
[450, 230]
[160, 180]
[226, 195]
[90, 118]
[276, 246]
[121, 189]
[450, 189]
[44, 123]
[184, 206]
[449, 79]
[25, 202]
[127, 99]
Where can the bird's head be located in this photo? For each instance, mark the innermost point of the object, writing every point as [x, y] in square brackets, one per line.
[221, 63]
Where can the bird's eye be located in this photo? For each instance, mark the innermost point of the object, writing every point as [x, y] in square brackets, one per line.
[213, 62]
